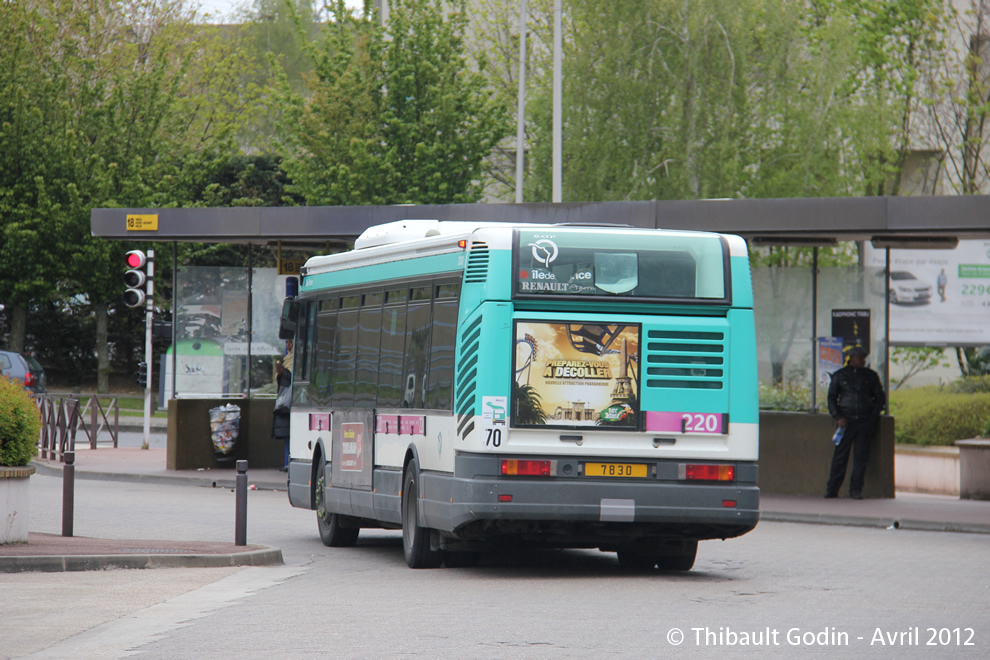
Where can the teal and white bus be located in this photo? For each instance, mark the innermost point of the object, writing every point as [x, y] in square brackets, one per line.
[479, 384]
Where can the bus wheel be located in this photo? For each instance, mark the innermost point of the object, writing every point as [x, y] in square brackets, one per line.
[678, 555]
[331, 532]
[415, 539]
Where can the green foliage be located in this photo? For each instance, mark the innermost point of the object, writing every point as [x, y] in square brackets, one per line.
[970, 384]
[20, 424]
[394, 115]
[133, 108]
[938, 416]
[916, 359]
[239, 180]
[789, 396]
[687, 99]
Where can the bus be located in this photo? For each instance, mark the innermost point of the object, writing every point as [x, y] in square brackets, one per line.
[484, 385]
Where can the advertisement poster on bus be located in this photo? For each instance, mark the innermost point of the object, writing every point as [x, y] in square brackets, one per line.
[937, 297]
[572, 375]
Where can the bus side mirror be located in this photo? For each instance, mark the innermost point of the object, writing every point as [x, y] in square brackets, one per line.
[287, 324]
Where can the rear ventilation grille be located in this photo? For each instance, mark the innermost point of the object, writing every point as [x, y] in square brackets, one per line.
[477, 263]
[467, 378]
[685, 359]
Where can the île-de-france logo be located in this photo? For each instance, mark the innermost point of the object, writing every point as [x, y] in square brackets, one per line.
[544, 251]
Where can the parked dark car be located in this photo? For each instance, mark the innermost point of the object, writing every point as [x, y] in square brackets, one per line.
[25, 369]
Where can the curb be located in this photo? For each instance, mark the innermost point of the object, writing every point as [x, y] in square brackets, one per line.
[875, 522]
[63, 563]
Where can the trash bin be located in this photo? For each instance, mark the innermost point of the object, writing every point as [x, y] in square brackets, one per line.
[225, 421]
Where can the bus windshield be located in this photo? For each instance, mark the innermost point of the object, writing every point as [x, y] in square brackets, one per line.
[572, 261]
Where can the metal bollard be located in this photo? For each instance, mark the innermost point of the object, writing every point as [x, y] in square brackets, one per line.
[240, 516]
[68, 491]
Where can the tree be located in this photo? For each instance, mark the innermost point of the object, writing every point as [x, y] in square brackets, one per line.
[675, 99]
[898, 44]
[395, 114]
[105, 103]
[958, 103]
[914, 360]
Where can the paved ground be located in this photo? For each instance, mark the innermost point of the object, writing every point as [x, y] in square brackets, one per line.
[131, 463]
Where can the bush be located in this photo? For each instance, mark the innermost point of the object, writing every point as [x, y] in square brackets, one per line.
[20, 424]
[970, 384]
[784, 397]
[938, 416]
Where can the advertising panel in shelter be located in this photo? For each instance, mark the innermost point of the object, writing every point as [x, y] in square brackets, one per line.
[574, 375]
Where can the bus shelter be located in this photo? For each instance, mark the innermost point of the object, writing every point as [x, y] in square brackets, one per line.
[225, 320]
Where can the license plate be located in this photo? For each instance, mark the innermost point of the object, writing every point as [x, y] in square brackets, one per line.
[614, 470]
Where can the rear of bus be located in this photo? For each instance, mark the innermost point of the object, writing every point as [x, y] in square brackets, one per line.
[606, 391]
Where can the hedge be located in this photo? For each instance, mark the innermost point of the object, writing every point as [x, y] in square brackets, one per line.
[938, 416]
[20, 424]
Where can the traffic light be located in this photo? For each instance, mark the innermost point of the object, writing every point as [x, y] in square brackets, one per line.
[135, 278]
[142, 374]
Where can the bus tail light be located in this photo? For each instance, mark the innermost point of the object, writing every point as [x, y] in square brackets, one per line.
[709, 472]
[512, 466]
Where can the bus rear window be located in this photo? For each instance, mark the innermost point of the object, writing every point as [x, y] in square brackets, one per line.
[627, 263]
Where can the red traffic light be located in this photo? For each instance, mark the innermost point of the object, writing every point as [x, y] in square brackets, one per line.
[136, 278]
[136, 259]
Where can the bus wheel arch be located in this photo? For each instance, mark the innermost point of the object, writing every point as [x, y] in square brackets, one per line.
[416, 544]
[332, 531]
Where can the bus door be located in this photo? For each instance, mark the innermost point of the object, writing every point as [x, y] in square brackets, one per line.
[352, 452]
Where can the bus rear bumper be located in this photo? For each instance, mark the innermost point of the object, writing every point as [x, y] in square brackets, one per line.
[582, 509]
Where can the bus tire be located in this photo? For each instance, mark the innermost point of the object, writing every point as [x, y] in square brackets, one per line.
[332, 533]
[415, 539]
[678, 556]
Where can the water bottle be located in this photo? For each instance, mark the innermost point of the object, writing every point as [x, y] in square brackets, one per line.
[839, 432]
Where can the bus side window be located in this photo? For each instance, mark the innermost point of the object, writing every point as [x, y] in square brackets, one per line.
[440, 389]
[345, 358]
[369, 343]
[322, 377]
[390, 385]
[418, 319]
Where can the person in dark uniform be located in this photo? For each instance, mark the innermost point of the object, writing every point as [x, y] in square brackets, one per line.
[280, 423]
[855, 400]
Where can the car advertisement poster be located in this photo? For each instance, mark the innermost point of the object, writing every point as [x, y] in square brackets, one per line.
[574, 375]
[937, 297]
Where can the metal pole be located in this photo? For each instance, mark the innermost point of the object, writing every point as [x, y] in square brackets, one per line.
[814, 330]
[521, 109]
[557, 103]
[886, 328]
[240, 515]
[175, 316]
[149, 319]
[68, 491]
[250, 317]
